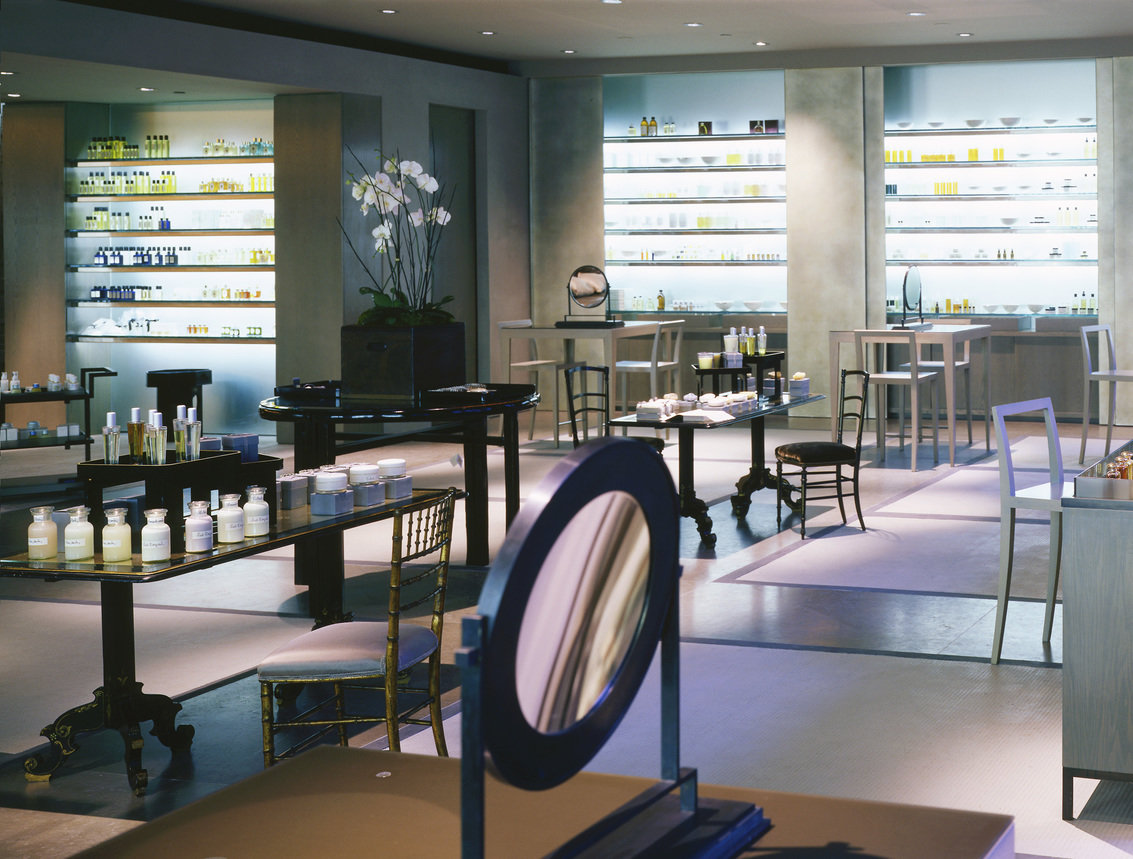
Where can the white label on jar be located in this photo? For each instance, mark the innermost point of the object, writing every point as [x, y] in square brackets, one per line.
[111, 543]
[256, 520]
[37, 541]
[74, 542]
[155, 543]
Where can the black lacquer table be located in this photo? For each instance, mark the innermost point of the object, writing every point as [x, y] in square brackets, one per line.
[466, 411]
[119, 703]
[758, 477]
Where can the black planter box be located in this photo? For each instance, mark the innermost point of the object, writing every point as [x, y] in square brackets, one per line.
[396, 363]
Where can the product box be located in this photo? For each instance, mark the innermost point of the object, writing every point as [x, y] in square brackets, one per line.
[211, 442]
[247, 443]
[398, 487]
[369, 494]
[332, 503]
[799, 388]
[293, 491]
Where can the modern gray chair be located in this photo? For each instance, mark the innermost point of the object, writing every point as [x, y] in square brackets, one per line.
[1112, 375]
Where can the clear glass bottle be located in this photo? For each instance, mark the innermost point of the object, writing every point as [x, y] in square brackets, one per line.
[155, 537]
[198, 527]
[257, 514]
[78, 536]
[229, 520]
[43, 535]
[116, 537]
[761, 341]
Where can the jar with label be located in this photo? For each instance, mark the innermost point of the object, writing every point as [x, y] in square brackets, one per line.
[116, 537]
[257, 519]
[198, 527]
[229, 520]
[78, 536]
[155, 537]
[43, 535]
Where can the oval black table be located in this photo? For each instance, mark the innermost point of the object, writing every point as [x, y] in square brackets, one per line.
[463, 409]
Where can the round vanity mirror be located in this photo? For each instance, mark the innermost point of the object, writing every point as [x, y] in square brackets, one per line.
[598, 567]
[573, 608]
[588, 286]
[911, 288]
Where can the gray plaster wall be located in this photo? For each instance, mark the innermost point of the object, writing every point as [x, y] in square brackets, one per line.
[826, 215]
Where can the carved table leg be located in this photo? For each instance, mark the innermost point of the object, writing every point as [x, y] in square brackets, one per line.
[691, 506]
[760, 476]
[61, 734]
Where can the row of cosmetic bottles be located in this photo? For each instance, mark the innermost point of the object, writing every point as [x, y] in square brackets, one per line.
[233, 525]
[148, 440]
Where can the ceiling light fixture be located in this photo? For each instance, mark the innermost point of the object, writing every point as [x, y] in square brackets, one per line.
[760, 44]
[13, 95]
[389, 11]
[916, 14]
[693, 24]
[145, 89]
[612, 2]
[568, 50]
[964, 35]
[7, 73]
[487, 32]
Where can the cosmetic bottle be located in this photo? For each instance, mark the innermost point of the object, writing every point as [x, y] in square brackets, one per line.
[136, 436]
[257, 520]
[198, 527]
[156, 437]
[761, 341]
[78, 536]
[43, 535]
[155, 537]
[116, 537]
[230, 520]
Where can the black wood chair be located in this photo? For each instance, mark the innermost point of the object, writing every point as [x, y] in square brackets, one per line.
[826, 459]
[588, 401]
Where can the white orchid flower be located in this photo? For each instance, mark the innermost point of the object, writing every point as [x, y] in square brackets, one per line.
[410, 168]
[417, 218]
[382, 234]
[441, 215]
[427, 183]
[389, 166]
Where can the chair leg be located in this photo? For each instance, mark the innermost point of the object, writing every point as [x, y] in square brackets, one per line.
[555, 404]
[882, 408]
[838, 487]
[340, 713]
[1112, 409]
[915, 396]
[533, 378]
[1006, 554]
[857, 500]
[1086, 418]
[802, 505]
[1055, 571]
[435, 704]
[393, 733]
[968, 399]
[267, 705]
[778, 496]
[934, 401]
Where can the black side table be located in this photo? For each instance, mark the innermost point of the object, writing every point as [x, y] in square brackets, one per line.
[770, 360]
[178, 388]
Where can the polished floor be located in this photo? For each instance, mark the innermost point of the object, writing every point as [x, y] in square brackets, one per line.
[851, 664]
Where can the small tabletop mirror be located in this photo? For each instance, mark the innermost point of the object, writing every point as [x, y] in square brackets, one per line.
[588, 288]
[911, 296]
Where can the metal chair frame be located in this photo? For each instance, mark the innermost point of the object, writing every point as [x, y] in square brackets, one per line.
[1110, 374]
[420, 531]
[664, 357]
[533, 366]
[826, 462]
[585, 401]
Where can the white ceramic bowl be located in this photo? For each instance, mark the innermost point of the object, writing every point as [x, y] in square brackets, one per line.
[723, 305]
[709, 159]
[664, 159]
[1010, 308]
[973, 123]
[999, 189]
[1085, 120]
[1022, 154]
[686, 159]
[753, 305]
[904, 124]
[934, 123]
[1009, 120]
[1023, 188]
[1050, 121]
[1036, 308]
[1054, 154]
[990, 308]
[1007, 222]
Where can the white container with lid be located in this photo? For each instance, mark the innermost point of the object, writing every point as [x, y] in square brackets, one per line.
[331, 496]
[230, 520]
[198, 527]
[257, 513]
[391, 467]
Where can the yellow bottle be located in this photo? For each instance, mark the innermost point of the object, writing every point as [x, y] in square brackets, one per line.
[644, 127]
[660, 299]
[652, 126]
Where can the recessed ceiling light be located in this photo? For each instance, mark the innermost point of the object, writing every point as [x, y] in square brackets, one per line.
[389, 11]
[612, 2]
[13, 95]
[760, 44]
[487, 32]
[916, 14]
[568, 50]
[7, 73]
[145, 89]
[964, 35]
[693, 24]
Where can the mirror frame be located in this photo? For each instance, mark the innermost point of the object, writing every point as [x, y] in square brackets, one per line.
[587, 269]
[519, 753]
[905, 306]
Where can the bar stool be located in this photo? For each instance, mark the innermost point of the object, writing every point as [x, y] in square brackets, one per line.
[1111, 374]
[533, 365]
[178, 388]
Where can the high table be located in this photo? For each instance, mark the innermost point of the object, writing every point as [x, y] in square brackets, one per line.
[931, 334]
[399, 804]
[759, 477]
[464, 409]
[119, 704]
[609, 337]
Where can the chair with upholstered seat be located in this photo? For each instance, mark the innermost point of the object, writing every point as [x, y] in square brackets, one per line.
[355, 656]
[1045, 496]
[913, 379]
[826, 459]
[664, 360]
[533, 365]
[1111, 374]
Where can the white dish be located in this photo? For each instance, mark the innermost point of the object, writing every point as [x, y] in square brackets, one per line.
[1024, 188]
[1053, 154]
[1010, 308]
[686, 159]
[1009, 120]
[973, 123]
[904, 124]
[1036, 308]
[991, 308]
[999, 188]
[1050, 121]
[1085, 120]
[723, 305]
[1007, 222]
[934, 123]
[665, 159]
[753, 305]
[709, 159]
[1022, 154]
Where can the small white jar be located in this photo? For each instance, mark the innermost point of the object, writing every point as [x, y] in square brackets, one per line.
[116, 537]
[257, 514]
[155, 537]
[78, 536]
[230, 520]
[198, 527]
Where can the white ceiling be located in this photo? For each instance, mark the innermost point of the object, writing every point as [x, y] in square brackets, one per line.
[635, 35]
